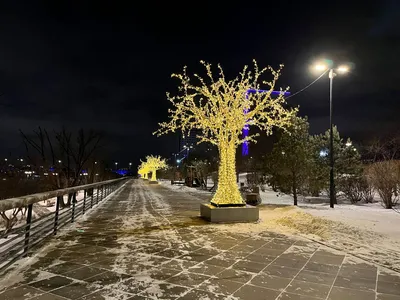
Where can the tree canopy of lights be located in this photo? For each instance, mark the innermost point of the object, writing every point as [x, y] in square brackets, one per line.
[219, 108]
[154, 163]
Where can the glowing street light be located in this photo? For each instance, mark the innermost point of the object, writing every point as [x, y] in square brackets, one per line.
[325, 66]
[59, 161]
[343, 69]
[348, 144]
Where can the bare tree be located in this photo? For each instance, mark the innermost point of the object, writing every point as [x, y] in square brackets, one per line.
[63, 153]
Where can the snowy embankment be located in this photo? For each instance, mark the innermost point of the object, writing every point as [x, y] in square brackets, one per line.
[367, 231]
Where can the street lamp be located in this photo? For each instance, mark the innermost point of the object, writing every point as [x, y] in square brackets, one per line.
[341, 69]
[116, 166]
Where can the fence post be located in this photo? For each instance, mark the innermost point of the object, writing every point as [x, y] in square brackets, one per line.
[73, 207]
[56, 214]
[97, 196]
[102, 192]
[91, 198]
[84, 202]
[28, 227]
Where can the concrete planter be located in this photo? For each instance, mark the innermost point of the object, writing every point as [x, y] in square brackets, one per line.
[239, 214]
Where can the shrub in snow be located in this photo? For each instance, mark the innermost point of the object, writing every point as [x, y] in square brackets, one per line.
[384, 176]
[356, 188]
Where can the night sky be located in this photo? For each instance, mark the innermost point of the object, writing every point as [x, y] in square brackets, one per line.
[107, 67]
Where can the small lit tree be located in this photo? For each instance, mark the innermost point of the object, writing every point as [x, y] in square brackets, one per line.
[220, 109]
[155, 163]
[143, 170]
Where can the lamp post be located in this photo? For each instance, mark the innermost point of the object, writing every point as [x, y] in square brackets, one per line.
[341, 69]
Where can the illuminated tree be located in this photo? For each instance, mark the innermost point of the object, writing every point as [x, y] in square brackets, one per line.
[219, 108]
[154, 163]
[143, 170]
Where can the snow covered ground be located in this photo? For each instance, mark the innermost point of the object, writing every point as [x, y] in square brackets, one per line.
[367, 231]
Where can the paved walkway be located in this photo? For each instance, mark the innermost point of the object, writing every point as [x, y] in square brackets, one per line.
[146, 242]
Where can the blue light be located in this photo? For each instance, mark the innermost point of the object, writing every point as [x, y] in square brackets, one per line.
[121, 172]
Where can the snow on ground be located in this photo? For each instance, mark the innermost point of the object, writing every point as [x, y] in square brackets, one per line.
[367, 231]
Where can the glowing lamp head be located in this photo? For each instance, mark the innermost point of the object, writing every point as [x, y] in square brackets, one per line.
[178, 161]
[348, 144]
[343, 69]
[320, 67]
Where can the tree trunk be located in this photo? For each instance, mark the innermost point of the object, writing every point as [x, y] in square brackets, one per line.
[153, 176]
[294, 190]
[227, 192]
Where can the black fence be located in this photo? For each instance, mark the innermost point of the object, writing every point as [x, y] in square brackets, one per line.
[19, 241]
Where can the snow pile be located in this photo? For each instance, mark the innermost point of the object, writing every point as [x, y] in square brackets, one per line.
[305, 223]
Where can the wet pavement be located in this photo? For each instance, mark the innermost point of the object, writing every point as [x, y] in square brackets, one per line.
[147, 242]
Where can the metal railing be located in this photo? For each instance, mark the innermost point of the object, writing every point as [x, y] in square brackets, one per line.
[17, 242]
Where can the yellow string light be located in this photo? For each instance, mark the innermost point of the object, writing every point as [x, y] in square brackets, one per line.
[217, 107]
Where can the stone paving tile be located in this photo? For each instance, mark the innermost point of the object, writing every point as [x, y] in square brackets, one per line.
[255, 293]
[164, 291]
[288, 262]
[51, 283]
[271, 282]
[327, 259]
[107, 278]
[162, 273]
[206, 269]
[84, 273]
[290, 296]
[236, 275]
[308, 289]
[316, 277]
[356, 283]
[48, 296]
[387, 297]
[338, 293]
[248, 266]
[179, 264]
[63, 267]
[388, 288]
[318, 267]
[172, 254]
[107, 294]
[354, 272]
[188, 279]
[383, 276]
[281, 271]
[198, 294]
[220, 286]
[75, 290]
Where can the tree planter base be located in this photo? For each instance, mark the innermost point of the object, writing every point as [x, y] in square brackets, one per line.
[237, 214]
[153, 182]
